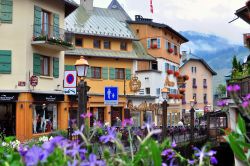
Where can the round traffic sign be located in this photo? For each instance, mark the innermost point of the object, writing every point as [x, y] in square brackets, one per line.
[70, 78]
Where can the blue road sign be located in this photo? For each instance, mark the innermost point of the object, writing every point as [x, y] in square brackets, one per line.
[111, 95]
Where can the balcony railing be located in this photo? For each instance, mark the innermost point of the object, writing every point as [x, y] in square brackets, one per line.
[52, 37]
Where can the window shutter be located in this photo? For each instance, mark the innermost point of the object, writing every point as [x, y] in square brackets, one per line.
[36, 64]
[37, 21]
[158, 43]
[105, 73]
[5, 61]
[111, 73]
[6, 10]
[69, 67]
[166, 66]
[56, 67]
[56, 25]
[89, 75]
[166, 44]
[148, 43]
[128, 74]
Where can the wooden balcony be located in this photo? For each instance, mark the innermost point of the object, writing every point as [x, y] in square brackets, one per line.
[244, 84]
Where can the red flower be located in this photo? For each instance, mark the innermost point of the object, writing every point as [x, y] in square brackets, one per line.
[154, 45]
[170, 71]
[170, 50]
[176, 73]
[186, 77]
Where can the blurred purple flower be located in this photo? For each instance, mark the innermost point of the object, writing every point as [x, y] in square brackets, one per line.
[93, 161]
[198, 152]
[230, 88]
[73, 121]
[236, 87]
[222, 103]
[87, 115]
[164, 164]
[247, 97]
[169, 153]
[245, 104]
[213, 160]
[34, 155]
[173, 145]
[233, 88]
[211, 153]
[98, 124]
[78, 132]
[110, 137]
[127, 122]
[74, 163]
[75, 149]
[22, 150]
[191, 162]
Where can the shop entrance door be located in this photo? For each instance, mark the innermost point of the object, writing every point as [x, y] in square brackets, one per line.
[116, 112]
[8, 118]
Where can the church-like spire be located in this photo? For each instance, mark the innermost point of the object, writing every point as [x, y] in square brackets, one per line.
[116, 5]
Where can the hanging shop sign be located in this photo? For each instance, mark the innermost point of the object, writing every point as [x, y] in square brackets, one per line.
[33, 81]
[8, 97]
[135, 84]
[48, 97]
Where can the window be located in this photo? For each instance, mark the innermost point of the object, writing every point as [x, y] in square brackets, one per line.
[153, 43]
[137, 31]
[158, 91]
[123, 46]
[205, 83]
[44, 118]
[169, 45]
[119, 73]
[107, 44]
[193, 69]
[45, 22]
[205, 98]
[6, 12]
[136, 116]
[96, 72]
[5, 61]
[147, 91]
[97, 43]
[78, 42]
[45, 65]
[175, 50]
[194, 96]
[155, 65]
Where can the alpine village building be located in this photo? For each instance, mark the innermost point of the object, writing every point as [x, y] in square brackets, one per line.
[31, 66]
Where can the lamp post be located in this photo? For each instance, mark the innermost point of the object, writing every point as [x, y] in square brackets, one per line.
[164, 93]
[82, 89]
[192, 104]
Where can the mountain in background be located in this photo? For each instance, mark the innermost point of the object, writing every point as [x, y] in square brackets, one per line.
[216, 51]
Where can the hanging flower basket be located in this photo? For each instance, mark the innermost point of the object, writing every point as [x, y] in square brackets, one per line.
[182, 90]
[186, 77]
[170, 50]
[170, 71]
[171, 96]
[176, 73]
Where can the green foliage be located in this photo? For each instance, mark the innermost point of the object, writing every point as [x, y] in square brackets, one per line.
[221, 90]
[240, 68]
[58, 133]
[235, 62]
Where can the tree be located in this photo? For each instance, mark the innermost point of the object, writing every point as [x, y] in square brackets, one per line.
[235, 63]
[240, 69]
[221, 90]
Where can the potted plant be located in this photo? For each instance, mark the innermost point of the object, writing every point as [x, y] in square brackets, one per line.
[171, 96]
[176, 73]
[154, 45]
[170, 72]
[170, 50]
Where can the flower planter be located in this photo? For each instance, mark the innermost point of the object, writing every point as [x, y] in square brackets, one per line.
[170, 50]
[170, 72]
[176, 74]
[181, 90]
[153, 45]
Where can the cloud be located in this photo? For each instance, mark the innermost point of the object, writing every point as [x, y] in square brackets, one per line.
[205, 16]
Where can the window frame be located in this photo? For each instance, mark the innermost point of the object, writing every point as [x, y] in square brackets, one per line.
[123, 48]
[43, 24]
[119, 73]
[94, 71]
[109, 44]
[97, 41]
[77, 38]
[42, 69]
[147, 90]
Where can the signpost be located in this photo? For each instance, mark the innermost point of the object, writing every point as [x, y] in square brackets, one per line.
[70, 82]
[111, 95]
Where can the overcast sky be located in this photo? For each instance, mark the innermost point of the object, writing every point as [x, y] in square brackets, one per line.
[205, 16]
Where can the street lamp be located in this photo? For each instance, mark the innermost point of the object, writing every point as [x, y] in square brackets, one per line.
[82, 89]
[164, 93]
[192, 104]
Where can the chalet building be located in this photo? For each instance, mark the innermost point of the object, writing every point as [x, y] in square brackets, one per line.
[31, 62]
[105, 40]
[163, 43]
[199, 86]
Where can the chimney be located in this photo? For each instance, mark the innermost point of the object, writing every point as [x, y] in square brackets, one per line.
[184, 56]
[87, 4]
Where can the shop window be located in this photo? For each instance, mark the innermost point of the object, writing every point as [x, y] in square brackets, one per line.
[119, 73]
[97, 43]
[78, 42]
[96, 72]
[44, 118]
[148, 117]
[154, 65]
[45, 65]
[107, 44]
[123, 46]
[147, 91]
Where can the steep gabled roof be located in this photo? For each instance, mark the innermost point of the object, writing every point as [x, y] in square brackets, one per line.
[70, 6]
[115, 5]
[244, 14]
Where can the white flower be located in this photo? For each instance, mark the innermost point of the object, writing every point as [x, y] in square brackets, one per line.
[43, 139]
[5, 144]
[50, 138]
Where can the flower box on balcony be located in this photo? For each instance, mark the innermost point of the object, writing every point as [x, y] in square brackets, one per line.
[182, 90]
[194, 86]
[176, 74]
[170, 72]
[154, 45]
[171, 96]
[205, 86]
[170, 50]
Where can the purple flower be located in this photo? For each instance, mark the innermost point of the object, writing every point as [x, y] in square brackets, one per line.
[169, 153]
[230, 88]
[93, 161]
[98, 124]
[222, 103]
[110, 137]
[87, 115]
[73, 121]
[213, 160]
[233, 88]
[78, 132]
[245, 104]
[191, 162]
[163, 164]
[74, 163]
[247, 97]
[22, 150]
[198, 152]
[211, 153]
[173, 145]
[75, 149]
[236, 87]
[34, 155]
[128, 122]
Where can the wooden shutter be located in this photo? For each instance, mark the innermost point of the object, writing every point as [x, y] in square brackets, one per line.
[105, 73]
[148, 43]
[37, 21]
[55, 67]
[36, 64]
[89, 72]
[6, 10]
[158, 43]
[111, 73]
[69, 67]
[56, 25]
[166, 44]
[128, 74]
[5, 61]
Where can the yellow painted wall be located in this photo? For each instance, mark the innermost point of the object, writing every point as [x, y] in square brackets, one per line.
[201, 73]
[97, 85]
[115, 43]
[17, 37]
[146, 31]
